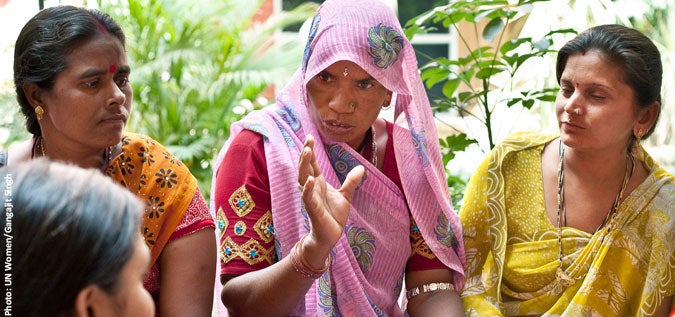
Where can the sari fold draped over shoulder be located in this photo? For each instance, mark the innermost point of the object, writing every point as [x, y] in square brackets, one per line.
[369, 260]
[624, 269]
[157, 177]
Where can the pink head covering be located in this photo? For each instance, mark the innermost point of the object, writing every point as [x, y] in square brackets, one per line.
[370, 258]
[368, 33]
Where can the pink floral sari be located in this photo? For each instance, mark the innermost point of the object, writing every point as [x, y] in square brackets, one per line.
[366, 275]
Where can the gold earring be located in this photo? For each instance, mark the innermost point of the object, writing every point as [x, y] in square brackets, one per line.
[386, 105]
[39, 111]
[638, 138]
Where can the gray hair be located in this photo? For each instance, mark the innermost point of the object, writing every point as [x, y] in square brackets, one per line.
[70, 228]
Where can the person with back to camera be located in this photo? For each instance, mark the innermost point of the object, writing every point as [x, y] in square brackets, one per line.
[581, 223]
[72, 82]
[69, 258]
[349, 209]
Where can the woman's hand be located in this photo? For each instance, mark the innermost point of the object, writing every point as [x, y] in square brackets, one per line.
[327, 207]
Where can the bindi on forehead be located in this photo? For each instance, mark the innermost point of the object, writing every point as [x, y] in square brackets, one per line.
[112, 69]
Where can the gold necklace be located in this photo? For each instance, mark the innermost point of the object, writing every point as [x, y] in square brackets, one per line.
[564, 280]
[40, 146]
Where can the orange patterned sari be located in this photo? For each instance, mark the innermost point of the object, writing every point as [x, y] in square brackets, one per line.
[150, 171]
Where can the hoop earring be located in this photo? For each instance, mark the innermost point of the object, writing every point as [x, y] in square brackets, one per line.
[39, 111]
[386, 105]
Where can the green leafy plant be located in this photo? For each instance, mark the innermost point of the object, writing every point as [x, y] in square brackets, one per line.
[487, 30]
[198, 68]
[12, 122]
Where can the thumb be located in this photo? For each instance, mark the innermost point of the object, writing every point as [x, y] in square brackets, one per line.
[353, 179]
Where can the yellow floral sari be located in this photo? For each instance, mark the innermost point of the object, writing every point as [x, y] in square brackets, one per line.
[512, 248]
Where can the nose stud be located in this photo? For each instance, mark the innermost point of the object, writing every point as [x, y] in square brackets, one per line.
[352, 105]
[576, 111]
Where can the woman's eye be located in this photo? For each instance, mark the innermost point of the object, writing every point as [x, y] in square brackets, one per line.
[122, 81]
[324, 77]
[92, 84]
[365, 84]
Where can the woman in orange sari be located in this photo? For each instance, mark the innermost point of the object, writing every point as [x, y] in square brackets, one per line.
[72, 82]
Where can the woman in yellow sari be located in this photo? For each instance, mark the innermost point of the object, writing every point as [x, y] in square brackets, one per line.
[580, 224]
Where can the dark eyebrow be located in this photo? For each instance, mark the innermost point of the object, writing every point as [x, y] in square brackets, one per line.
[592, 85]
[602, 86]
[93, 72]
[369, 78]
[125, 69]
[97, 72]
[325, 72]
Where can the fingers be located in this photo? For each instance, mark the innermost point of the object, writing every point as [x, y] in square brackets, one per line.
[353, 179]
[308, 193]
[307, 166]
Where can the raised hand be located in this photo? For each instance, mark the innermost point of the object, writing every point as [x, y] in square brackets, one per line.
[327, 207]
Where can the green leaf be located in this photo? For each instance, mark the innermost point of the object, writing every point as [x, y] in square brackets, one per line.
[488, 72]
[432, 76]
[513, 101]
[513, 44]
[450, 86]
[459, 142]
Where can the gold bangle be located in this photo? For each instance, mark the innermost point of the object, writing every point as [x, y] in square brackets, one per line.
[428, 288]
[301, 266]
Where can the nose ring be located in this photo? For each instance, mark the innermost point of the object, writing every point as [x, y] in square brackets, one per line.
[352, 105]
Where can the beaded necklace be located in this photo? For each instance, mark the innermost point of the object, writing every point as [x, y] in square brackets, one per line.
[373, 155]
[370, 136]
[563, 280]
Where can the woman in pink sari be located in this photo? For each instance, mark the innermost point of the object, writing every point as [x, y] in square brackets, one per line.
[324, 208]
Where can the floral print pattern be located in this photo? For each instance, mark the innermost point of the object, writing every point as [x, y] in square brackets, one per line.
[363, 246]
[420, 142]
[126, 166]
[310, 39]
[342, 162]
[166, 178]
[327, 296]
[158, 178]
[444, 232]
[155, 207]
[385, 44]
[290, 116]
